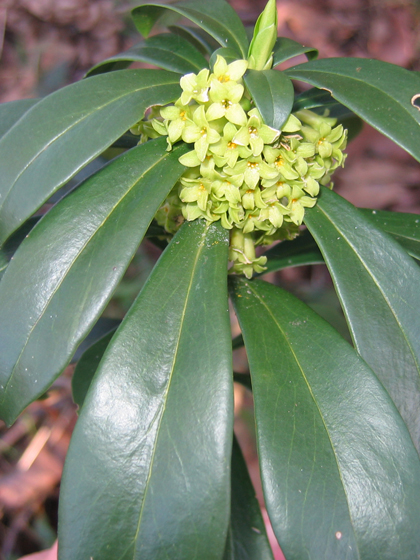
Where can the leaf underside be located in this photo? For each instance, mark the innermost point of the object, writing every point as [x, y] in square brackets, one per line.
[168, 51]
[217, 18]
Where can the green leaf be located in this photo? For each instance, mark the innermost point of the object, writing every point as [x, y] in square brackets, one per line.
[12, 111]
[313, 98]
[247, 537]
[67, 130]
[340, 474]
[87, 366]
[217, 17]
[74, 258]
[12, 244]
[273, 94]
[199, 38]
[286, 48]
[378, 92]
[168, 51]
[298, 252]
[405, 228]
[149, 460]
[378, 286]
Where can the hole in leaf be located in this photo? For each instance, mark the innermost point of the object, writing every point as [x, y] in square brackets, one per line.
[415, 101]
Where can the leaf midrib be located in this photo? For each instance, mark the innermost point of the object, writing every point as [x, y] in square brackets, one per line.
[327, 431]
[355, 79]
[165, 399]
[377, 284]
[77, 256]
[77, 122]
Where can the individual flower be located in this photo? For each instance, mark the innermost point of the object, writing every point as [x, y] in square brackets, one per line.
[225, 147]
[175, 119]
[195, 86]
[224, 72]
[278, 158]
[225, 100]
[196, 190]
[228, 188]
[199, 131]
[299, 201]
[253, 169]
[255, 133]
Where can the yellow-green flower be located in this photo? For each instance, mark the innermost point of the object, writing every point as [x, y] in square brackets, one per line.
[225, 147]
[255, 133]
[225, 98]
[199, 131]
[224, 72]
[252, 169]
[195, 86]
[175, 119]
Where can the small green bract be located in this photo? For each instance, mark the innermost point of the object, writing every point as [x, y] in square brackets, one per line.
[256, 180]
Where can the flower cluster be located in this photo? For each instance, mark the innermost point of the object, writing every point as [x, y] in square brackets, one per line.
[256, 180]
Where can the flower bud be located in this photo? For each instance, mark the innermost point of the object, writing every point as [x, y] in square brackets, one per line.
[265, 35]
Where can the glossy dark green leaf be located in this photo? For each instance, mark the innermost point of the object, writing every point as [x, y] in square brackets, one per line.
[168, 51]
[217, 18]
[247, 537]
[273, 94]
[340, 474]
[286, 48]
[312, 99]
[12, 111]
[405, 228]
[300, 251]
[87, 366]
[199, 38]
[378, 286]
[65, 271]
[67, 130]
[12, 244]
[378, 92]
[149, 461]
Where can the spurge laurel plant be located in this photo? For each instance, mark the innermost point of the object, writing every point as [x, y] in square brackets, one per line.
[218, 158]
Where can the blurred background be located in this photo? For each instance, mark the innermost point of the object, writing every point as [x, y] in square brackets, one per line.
[46, 44]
